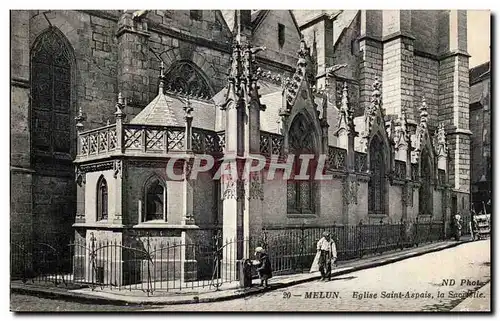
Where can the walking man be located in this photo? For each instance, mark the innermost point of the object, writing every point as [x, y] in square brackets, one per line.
[327, 256]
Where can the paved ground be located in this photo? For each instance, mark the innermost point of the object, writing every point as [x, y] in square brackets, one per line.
[420, 275]
[28, 303]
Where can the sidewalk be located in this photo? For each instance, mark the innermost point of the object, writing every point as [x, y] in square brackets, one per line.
[472, 304]
[226, 292]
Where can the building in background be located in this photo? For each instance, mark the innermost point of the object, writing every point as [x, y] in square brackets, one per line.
[385, 98]
[480, 125]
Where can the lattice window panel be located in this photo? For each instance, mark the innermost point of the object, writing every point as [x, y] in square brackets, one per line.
[340, 158]
[92, 144]
[103, 141]
[305, 195]
[133, 138]
[376, 185]
[197, 142]
[442, 176]
[360, 162]
[277, 145]
[210, 143]
[222, 141]
[154, 140]
[291, 195]
[175, 140]
[400, 169]
[414, 172]
[264, 144]
[84, 145]
[112, 139]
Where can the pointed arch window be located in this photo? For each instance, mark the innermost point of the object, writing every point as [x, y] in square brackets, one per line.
[51, 96]
[187, 78]
[425, 191]
[300, 193]
[376, 185]
[102, 199]
[155, 200]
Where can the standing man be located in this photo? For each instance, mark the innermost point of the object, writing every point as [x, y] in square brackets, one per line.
[327, 255]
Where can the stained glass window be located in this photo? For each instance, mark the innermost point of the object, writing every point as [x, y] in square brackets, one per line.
[186, 78]
[425, 194]
[300, 193]
[376, 185]
[155, 200]
[102, 199]
[51, 96]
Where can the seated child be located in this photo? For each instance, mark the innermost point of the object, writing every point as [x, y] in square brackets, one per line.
[263, 266]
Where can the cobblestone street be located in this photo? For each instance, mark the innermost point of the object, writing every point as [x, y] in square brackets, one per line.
[419, 275]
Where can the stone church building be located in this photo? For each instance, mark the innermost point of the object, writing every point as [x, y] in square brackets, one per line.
[101, 100]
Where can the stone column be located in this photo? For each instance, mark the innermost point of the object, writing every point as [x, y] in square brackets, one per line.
[398, 75]
[346, 133]
[188, 183]
[371, 49]
[454, 100]
[133, 62]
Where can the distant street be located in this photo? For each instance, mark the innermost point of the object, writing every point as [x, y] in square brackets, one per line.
[376, 289]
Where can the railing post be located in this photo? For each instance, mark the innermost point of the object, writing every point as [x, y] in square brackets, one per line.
[417, 237]
[302, 244]
[92, 258]
[149, 287]
[358, 229]
[120, 116]
[188, 117]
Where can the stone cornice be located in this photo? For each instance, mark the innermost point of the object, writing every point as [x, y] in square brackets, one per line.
[126, 29]
[397, 35]
[452, 53]
[458, 132]
[15, 169]
[158, 28]
[425, 54]
[20, 82]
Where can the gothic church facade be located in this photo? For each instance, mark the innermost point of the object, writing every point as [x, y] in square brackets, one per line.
[101, 100]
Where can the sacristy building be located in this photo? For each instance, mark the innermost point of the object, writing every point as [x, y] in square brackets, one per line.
[384, 95]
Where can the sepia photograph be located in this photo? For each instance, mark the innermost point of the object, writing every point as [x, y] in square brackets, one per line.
[250, 160]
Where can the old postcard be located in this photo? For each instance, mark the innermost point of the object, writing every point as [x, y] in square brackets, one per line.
[250, 160]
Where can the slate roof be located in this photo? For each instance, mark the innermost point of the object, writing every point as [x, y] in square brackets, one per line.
[167, 110]
[477, 89]
[478, 73]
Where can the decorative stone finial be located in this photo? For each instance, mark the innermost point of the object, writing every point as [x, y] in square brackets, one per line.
[79, 119]
[375, 99]
[188, 109]
[423, 113]
[119, 106]
[162, 78]
[440, 140]
[400, 133]
[346, 121]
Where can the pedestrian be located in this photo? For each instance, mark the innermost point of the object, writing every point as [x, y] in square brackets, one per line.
[474, 228]
[458, 227]
[263, 266]
[327, 255]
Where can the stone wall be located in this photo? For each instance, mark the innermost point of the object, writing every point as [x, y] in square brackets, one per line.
[134, 181]
[426, 81]
[266, 34]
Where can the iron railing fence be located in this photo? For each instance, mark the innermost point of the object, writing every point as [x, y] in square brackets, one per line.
[292, 250]
[204, 261]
